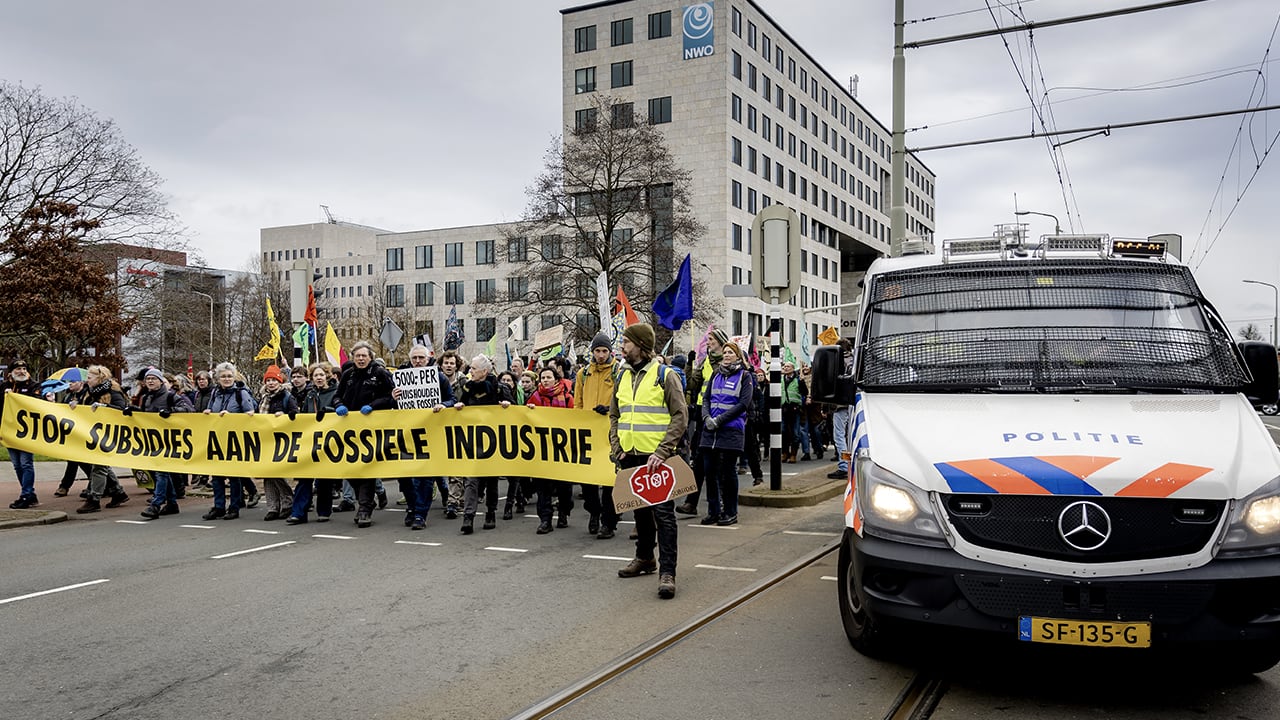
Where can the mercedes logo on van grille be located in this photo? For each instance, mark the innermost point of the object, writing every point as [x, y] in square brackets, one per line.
[1084, 525]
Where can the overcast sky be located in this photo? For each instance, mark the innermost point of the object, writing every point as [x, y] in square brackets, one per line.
[412, 115]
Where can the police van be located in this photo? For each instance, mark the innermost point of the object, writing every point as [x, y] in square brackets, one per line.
[1052, 441]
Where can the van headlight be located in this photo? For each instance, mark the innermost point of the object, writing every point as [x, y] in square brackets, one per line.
[1254, 528]
[894, 509]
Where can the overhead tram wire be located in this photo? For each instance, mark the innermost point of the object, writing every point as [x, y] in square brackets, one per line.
[1258, 161]
[931, 18]
[1055, 154]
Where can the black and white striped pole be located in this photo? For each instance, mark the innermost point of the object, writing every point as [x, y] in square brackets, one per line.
[776, 276]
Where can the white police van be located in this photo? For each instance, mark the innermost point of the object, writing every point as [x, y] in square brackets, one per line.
[1052, 441]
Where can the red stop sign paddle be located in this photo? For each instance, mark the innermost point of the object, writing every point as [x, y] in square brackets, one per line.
[653, 487]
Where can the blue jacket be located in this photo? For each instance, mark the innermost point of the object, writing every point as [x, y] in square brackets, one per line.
[729, 432]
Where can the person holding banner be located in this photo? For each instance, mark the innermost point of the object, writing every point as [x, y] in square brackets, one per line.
[101, 389]
[726, 398]
[230, 396]
[319, 400]
[482, 388]
[366, 386]
[158, 398]
[551, 393]
[451, 365]
[278, 399]
[23, 462]
[593, 391]
[647, 417]
[419, 492]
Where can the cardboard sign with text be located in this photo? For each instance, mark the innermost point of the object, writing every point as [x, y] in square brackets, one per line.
[637, 487]
[419, 387]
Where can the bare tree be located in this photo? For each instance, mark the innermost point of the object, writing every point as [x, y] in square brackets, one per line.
[1250, 332]
[57, 150]
[610, 198]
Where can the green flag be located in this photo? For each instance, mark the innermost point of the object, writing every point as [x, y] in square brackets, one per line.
[787, 355]
[492, 349]
[550, 352]
[302, 339]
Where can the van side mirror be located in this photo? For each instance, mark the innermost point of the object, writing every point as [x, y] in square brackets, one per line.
[829, 384]
[1260, 360]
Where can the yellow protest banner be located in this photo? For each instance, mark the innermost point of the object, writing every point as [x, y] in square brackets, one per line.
[552, 443]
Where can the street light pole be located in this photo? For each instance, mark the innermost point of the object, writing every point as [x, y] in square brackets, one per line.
[1057, 226]
[1275, 320]
[207, 295]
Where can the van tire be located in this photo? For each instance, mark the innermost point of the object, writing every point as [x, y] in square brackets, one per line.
[865, 634]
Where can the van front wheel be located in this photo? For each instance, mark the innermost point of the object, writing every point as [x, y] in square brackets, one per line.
[865, 634]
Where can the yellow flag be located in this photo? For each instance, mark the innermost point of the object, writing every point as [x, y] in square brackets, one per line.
[272, 348]
[829, 336]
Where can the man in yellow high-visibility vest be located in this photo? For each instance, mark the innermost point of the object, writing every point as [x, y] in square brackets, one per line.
[647, 418]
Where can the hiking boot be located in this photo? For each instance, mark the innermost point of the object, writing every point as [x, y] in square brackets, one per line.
[61, 492]
[345, 506]
[544, 527]
[408, 519]
[490, 520]
[118, 499]
[24, 502]
[638, 567]
[726, 520]
[506, 512]
[805, 457]
[170, 508]
[213, 514]
[252, 500]
[150, 512]
[837, 474]
[382, 499]
[232, 514]
[272, 515]
[605, 533]
[667, 586]
[419, 523]
[709, 520]
[362, 519]
[757, 481]
[593, 525]
[450, 512]
[90, 506]
[563, 522]
[468, 524]
[686, 509]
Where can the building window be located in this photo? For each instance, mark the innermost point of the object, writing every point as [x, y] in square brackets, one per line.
[552, 247]
[751, 118]
[736, 194]
[486, 291]
[751, 76]
[623, 115]
[751, 35]
[584, 39]
[751, 201]
[455, 293]
[735, 108]
[751, 159]
[660, 110]
[517, 288]
[620, 74]
[552, 286]
[484, 252]
[736, 65]
[735, 238]
[422, 257]
[735, 276]
[659, 25]
[395, 296]
[584, 80]
[424, 294]
[395, 259]
[486, 327]
[453, 254]
[584, 120]
[736, 151]
[736, 22]
[517, 249]
[620, 32]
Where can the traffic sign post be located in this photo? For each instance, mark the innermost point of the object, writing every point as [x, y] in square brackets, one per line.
[391, 336]
[775, 272]
[299, 278]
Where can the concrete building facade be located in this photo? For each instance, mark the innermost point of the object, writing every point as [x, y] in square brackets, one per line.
[743, 106]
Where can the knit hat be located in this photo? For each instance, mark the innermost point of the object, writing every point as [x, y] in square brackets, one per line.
[273, 373]
[601, 340]
[153, 372]
[680, 361]
[642, 335]
[720, 335]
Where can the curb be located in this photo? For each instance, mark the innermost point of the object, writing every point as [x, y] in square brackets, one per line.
[799, 494]
[44, 518]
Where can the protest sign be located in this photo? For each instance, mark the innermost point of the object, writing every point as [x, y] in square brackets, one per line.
[637, 487]
[419, 387]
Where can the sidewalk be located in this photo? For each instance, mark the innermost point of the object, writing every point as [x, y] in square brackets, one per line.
[808, 486]
[59, 509]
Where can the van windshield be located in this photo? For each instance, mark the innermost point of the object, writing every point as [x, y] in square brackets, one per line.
[1044, 325]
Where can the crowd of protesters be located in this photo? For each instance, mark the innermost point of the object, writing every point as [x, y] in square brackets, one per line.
[725, 435]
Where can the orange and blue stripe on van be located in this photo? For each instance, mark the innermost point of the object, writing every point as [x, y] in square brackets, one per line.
[1059, 475]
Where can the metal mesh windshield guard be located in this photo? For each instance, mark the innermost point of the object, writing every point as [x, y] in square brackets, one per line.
[1035, 352]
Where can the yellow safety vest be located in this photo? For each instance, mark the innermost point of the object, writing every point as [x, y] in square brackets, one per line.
[643, 417]
[707, 372]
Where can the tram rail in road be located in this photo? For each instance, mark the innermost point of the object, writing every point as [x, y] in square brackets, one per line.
[916, 701]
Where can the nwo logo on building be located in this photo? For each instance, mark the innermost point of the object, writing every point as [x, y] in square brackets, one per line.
[699, 31]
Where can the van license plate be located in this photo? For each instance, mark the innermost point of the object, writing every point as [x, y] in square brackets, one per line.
[1084, 632]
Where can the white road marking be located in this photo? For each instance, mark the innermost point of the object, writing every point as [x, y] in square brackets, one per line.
[134, 522]
[804, 532]
[334, 537]
[829, 577]
[535, 517]
[626, 522]
[723, 567]
[507, 549]
[414, 542]
[199, 527]
[261, 532]
[252, 550]
[54, 590]
[605, 557]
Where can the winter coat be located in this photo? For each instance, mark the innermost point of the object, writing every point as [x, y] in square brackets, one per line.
[370, 386]
[318, 399]
[30, 388]
[729, 433]
[595, 386]
[165, 400]
[555, 397]
[484, 392]
[281, 401]
[108, 393]
[201, 399]
[235, 399]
